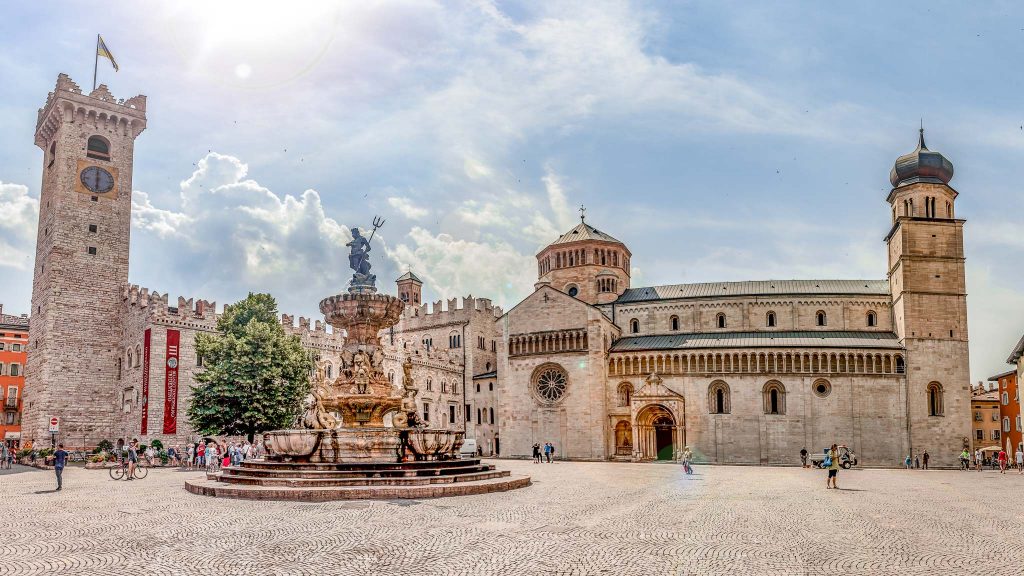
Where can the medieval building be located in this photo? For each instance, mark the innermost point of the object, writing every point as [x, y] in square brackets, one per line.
[741, 372]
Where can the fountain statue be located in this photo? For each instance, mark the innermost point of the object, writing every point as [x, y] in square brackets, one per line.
[361, 415]
[359, 435]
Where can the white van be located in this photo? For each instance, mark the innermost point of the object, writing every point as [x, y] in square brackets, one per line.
[468, 448]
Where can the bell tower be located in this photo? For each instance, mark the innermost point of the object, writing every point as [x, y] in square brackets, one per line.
[926, 278]
[81, 264]
[585, 263]
[409, 289]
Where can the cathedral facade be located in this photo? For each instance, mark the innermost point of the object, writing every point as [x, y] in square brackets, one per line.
[740, 372]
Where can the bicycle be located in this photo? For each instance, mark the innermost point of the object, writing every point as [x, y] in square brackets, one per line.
[78, 456]
[121, 470]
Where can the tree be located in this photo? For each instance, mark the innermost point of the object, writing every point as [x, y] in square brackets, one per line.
[255, 377]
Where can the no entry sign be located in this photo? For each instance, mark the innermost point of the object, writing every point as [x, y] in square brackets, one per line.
[54, 424]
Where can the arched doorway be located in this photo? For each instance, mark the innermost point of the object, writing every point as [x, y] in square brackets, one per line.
[663, 437]
[657, 435]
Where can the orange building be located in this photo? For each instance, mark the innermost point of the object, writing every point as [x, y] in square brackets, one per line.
[13, 354]
[1009, 409]
[986, 423]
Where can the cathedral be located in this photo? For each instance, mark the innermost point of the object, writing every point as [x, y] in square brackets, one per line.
[739, 372]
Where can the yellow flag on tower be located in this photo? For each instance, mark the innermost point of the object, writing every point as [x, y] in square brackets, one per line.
[102, 50]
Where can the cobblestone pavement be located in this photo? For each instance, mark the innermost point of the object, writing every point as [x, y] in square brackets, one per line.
[576, 518]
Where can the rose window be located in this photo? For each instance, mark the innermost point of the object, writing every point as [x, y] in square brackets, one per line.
[550, 384]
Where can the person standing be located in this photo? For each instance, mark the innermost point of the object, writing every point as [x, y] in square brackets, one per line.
[833, 467]
[924, 459]
[803, 457]
[536, 453]
[1019, 458]
[907, 462]
[60, 458]
[688, 460]
[201, 455]
[965, 460]
[978, 459]
[917, 461]
[3, 454]
[133, 457]
[1002, 461]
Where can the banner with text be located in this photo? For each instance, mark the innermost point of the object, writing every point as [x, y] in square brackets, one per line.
[171, 384]
[145, 383]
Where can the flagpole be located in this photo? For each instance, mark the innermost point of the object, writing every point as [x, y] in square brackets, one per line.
[95, 61]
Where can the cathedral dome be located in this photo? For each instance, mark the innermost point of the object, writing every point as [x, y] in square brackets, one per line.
[921, 165]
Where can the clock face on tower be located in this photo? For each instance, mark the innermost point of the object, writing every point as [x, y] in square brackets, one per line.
[97, 180]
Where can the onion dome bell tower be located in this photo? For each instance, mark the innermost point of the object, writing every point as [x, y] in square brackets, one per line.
[586, 264]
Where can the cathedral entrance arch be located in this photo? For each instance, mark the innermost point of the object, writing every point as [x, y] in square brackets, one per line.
[657, 432]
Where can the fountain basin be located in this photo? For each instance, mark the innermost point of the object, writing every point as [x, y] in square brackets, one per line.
[291, 444]
[434, 444]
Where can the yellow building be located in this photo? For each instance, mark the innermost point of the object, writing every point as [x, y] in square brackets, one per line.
[985, 419]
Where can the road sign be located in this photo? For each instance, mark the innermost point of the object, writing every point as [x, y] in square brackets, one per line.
[54, 424]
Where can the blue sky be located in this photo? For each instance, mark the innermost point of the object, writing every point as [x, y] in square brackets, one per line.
[720, 141]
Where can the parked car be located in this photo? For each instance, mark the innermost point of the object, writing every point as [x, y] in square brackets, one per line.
[847, 458]
[468, 448]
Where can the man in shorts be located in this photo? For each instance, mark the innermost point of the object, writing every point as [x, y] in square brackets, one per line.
[833, 467]
[803, 457]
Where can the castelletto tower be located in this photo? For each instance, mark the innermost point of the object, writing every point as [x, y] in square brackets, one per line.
[929, 300]
[585, 263]
[81, 263]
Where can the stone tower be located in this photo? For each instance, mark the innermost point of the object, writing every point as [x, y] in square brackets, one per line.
[81, 263]
[409, 289]
[586, 264]
[926, 277]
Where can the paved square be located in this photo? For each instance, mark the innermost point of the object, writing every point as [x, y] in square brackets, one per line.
[577, 518]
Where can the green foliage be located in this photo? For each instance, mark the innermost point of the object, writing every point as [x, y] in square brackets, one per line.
[103, 446]
[24, 453]
[97, 458]
[44, 453]
[142, 448]
[162, 455]
[255, 375]
[157, 444]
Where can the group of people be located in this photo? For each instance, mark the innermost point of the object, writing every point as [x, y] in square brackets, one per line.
[919, 461]
[6, 456]
[1000, 460]
[543, 453]
[214, 455]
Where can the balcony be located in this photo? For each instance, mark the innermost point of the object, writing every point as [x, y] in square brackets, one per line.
[12, 404]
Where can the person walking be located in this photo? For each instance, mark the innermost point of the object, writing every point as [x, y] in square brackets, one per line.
[965, 460]
[536, 453]
[803, 456]
[688, 460]
[547, 451]
[1002, 461]
[924, 459]
[907, 462]
[3, 454]
[833, 467]
[1019, 458]
[917, 461]
[978, 459]
[60, 458]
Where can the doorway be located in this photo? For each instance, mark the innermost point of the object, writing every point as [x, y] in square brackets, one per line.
[663, 438]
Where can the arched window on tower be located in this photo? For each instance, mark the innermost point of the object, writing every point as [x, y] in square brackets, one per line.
[770, 320]
[949, 210]
[901, 366]
[774, 398]
[674, 323]
[872, 319]
[98, 148]
[430, 385]
[935, 399]
[718, 398]
[634, 326]
[720, 320]
[820, 318]
[53, 155]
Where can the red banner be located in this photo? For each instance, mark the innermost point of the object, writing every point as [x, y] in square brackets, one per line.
[145, 383]
[171, 383]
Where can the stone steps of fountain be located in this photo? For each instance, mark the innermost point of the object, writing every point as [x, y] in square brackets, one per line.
[336, 482]
[302, 472]
[210, 487]
[360, 467]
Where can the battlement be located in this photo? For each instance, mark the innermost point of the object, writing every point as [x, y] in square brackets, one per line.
[99, 108]
[315, 328]
[441, 312]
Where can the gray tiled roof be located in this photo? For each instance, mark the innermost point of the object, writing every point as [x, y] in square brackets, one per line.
[583, 231]
[1017, 352]
[756, 288]
[409, 276]
[801, 339]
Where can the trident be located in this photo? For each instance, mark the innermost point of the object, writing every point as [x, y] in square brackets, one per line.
[377, 223]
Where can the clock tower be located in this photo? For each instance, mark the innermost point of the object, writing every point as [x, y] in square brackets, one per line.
[81, 264]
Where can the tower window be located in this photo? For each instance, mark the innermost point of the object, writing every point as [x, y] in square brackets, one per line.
[92, 250]
[720, 320]
[935, 399]
[821, 319]
[573, 291]
[634, 326]
[92, 228]
[872, 320]
[674, 322]
[53, 154]
[98, 148]
[770, 320]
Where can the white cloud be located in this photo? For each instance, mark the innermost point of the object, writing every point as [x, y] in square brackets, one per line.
[407, 208]
[19, 215]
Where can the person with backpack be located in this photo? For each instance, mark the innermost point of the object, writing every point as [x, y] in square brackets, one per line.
[832, 463]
